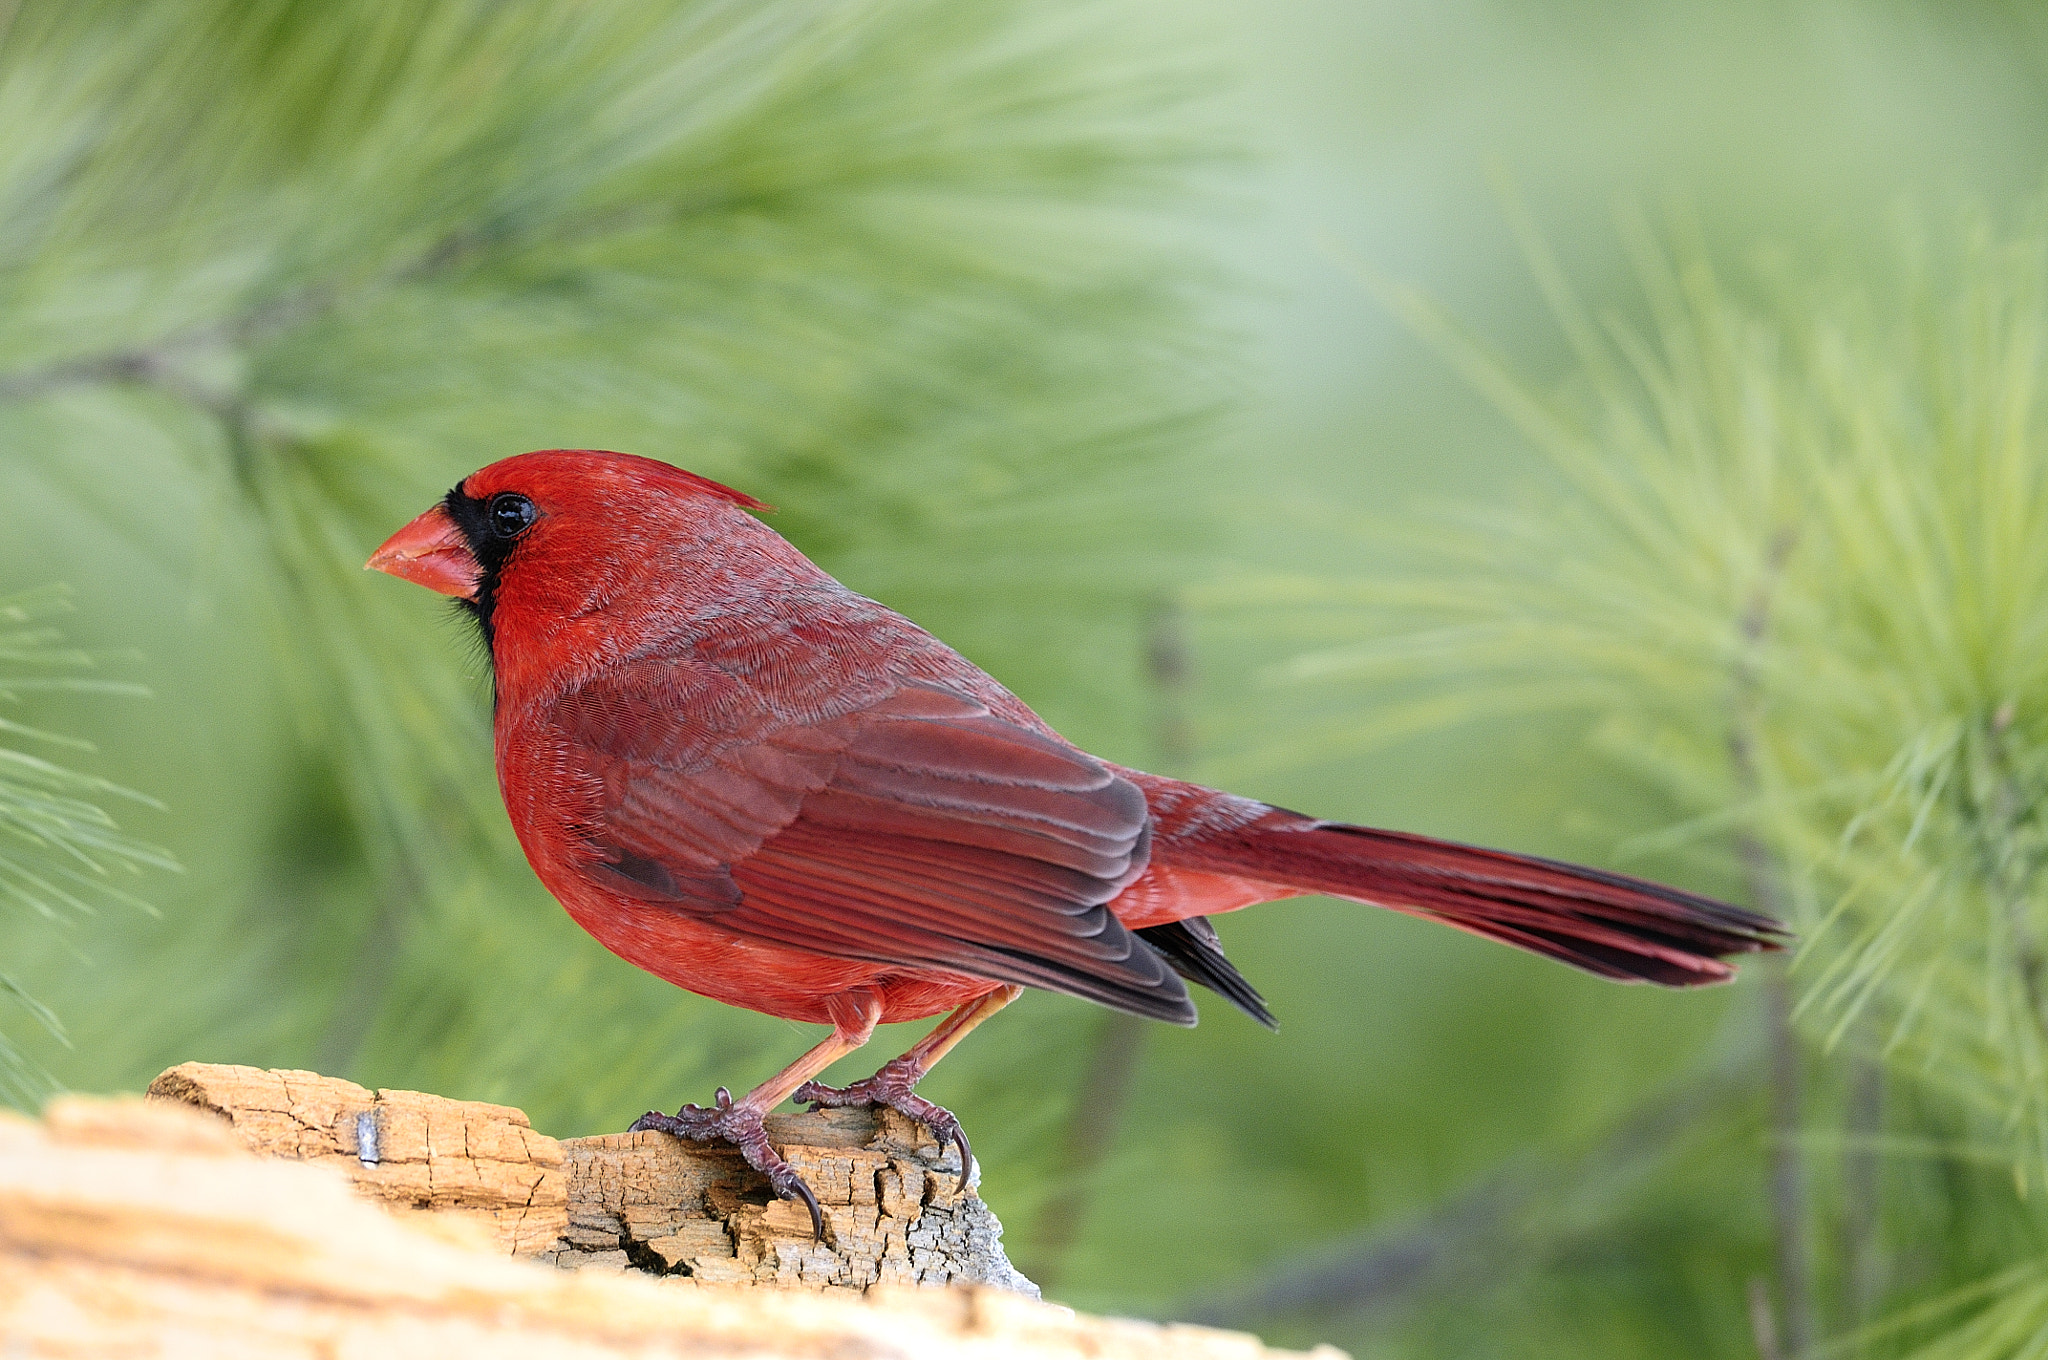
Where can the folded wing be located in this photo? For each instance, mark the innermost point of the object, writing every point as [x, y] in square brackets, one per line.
[915, 829]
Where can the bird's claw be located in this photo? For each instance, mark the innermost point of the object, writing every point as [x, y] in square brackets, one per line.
[741, 1126]
[895, 1086]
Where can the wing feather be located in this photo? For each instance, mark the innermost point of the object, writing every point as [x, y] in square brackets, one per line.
[917, 830]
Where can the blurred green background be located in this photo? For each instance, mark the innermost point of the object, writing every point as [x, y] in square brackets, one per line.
[1167, 359]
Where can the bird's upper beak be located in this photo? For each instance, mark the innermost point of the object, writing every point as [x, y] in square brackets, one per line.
[430, 551]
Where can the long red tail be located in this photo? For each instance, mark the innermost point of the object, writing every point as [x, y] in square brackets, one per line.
[1609, 924]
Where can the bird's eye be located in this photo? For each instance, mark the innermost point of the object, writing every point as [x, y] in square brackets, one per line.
[511, 514]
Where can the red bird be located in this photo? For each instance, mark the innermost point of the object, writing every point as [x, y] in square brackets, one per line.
[748, 780]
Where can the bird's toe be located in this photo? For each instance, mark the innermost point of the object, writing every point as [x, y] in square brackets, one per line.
[741, 1126]
[895, 1087]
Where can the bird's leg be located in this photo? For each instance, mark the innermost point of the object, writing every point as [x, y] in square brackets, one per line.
[895, 1085]
[739, 1121]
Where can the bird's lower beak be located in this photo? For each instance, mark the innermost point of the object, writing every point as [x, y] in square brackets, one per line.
[431, 552]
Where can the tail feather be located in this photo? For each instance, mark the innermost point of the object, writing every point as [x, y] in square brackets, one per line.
[1610, 924]
[1192, 950]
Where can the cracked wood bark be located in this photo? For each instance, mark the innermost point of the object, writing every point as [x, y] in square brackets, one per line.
[642, 1202]
[465, 1160]
[141, 1228]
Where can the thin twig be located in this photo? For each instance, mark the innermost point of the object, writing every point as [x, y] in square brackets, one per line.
[1763, 1321]
[1091, 1133]
[1113, 1058]
[1862, 1248]
[1788, 1167]
[166, 362]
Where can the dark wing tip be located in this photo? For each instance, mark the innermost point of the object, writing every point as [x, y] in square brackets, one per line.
[1145, 984]
[1191, 948]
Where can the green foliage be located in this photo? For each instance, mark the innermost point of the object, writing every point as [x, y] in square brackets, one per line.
[292, 269]
[61, 854]
[273, 275]
[1793, 573]
[731, 233]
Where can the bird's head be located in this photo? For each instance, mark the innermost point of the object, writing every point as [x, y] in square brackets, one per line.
[557, 529]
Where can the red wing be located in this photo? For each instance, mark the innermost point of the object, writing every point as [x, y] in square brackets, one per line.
[916, 830]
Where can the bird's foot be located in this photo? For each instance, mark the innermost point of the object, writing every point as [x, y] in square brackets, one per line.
[741, 1126]
[895, 1086]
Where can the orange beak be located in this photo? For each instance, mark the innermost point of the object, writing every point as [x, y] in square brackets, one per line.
[431, 552]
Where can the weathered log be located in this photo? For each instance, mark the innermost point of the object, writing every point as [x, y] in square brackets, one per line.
[141, 1228]
[894, 1212]
[462, 1159]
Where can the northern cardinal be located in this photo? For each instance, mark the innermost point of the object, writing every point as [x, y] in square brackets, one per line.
[748, 780]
